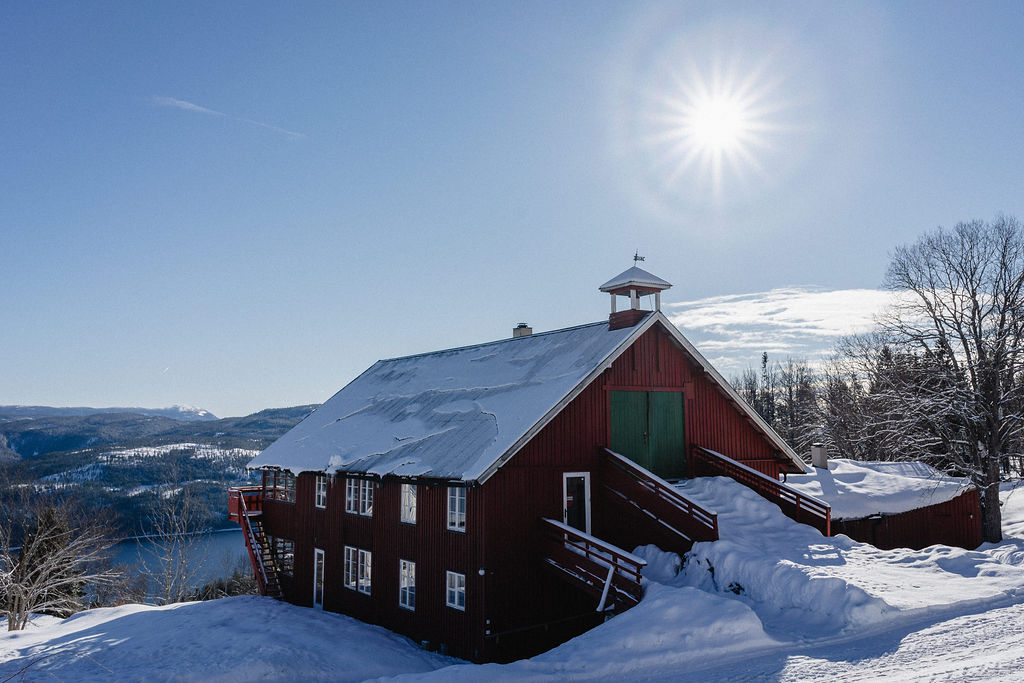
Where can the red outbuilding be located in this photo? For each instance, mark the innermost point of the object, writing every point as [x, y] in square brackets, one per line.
[482, 500]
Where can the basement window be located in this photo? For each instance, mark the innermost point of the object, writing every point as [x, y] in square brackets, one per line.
[457, 508]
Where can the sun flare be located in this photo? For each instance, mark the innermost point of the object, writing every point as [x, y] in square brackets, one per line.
[713, 129]
[717, 124]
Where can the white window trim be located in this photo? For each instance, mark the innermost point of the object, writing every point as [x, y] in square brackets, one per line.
[365, 583]
[565, 495]
[366, 497]
[456, 590]
[407, 581]
[320, 499]
[359, 496]
[455, 494]
[351, 569]
[408, 512]
[319, 560]
[352, 495]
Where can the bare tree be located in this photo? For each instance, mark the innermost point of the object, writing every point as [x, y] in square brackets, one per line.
[56, 561]
[957, 335]
[171, 561]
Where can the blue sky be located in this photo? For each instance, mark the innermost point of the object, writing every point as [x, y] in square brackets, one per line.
[240, 206]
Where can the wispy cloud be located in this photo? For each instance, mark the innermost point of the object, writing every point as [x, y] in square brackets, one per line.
[189, 106]
[802, 322]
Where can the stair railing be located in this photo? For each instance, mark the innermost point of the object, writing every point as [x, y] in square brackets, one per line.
[255, 556]
[795, 505]
[602, 569]
[658, 500]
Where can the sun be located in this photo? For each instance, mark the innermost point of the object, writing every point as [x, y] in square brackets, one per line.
[710, 131]
[717, 124]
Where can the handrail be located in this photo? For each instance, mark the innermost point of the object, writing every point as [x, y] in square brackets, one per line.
[261, 578]
[795, 505]
[705, 520]
[604, 569]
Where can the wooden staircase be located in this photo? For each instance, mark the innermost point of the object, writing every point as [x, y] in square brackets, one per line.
[608, 573]
[648, 509]
[263, 565]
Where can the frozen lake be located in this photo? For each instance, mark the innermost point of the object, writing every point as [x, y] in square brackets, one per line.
[214, 554]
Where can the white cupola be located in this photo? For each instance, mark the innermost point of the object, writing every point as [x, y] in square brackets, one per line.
[633, 283]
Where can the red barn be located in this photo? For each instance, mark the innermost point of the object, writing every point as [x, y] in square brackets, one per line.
[480, 499]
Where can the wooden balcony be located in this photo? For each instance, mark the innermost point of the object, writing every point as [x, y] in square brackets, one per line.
[249, 497]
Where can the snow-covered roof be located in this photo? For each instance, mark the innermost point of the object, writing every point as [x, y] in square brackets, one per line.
[635, 276]
[856, 489]
[449, 414]
[461, 413]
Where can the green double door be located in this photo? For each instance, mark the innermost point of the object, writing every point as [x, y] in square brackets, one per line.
[648, 428]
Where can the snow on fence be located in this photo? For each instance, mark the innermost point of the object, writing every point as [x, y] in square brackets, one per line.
[795, 505]
[604, 570]
[658, 500]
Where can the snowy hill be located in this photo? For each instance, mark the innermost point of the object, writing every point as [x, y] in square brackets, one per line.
[772, 600]
[175, 412]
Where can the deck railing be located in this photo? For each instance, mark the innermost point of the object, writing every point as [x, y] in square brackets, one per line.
[795, 505]
[253, 496]
[607, 572]
[658, 500]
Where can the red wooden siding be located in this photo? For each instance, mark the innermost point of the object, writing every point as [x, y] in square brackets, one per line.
[712, 420]
[428, 543]
[956, 522]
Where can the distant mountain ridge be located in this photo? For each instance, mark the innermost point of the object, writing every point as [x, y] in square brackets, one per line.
[118, 463]
[175, 412]
[24, 434]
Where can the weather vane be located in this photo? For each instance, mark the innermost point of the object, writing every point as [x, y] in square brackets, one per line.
[637, 257]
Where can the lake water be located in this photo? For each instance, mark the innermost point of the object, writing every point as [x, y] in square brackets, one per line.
[215, 555]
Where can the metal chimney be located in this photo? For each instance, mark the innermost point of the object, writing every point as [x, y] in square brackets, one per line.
[521, 330]
[819, 456]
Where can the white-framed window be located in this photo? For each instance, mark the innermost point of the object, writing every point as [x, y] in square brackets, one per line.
[455, 596]
[352, 495]
[409, 503]
[351, 567]
[366, 497]
[321, 491]
[407, 584]
[457, 508]
[364, 571]
[318, 578]
[357, 569]
[359, 496]
[279, 485]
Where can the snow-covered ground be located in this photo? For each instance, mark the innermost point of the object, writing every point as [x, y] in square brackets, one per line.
[772, 600]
